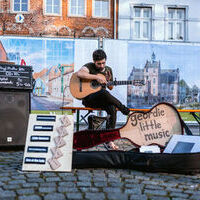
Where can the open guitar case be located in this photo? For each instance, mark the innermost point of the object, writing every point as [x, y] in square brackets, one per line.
[179, 163]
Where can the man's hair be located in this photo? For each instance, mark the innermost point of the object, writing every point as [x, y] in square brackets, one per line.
[99, 54]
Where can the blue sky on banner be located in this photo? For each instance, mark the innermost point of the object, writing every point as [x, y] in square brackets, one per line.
[40, 53]
[186, 57]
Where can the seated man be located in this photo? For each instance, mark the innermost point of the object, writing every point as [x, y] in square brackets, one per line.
[102, 99]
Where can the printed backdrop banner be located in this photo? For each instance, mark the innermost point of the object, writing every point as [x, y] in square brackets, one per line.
[169, 70]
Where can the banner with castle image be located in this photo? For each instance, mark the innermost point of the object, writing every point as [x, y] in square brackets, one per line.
[53, 63]
[170, 72]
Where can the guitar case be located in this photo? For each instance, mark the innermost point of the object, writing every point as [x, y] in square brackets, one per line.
[185, 163]
[179, 163]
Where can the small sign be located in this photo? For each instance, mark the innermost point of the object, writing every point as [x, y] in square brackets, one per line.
[19, 18]
[16, 77]
[49, 143]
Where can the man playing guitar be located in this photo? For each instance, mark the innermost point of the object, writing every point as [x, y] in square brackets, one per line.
[102, 99]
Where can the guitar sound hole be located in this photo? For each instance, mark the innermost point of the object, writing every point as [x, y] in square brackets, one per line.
[94, 84]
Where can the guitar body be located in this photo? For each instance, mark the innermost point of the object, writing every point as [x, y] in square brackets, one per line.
[81, 88]
[153, 127]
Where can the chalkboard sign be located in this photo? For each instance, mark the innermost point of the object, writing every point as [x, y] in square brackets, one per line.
[15, 76]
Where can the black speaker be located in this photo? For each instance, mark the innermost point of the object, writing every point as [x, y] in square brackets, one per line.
[14, 114]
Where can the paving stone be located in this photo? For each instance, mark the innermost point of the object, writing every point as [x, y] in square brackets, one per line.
[99, 179]
[51, 174]
[84, 178]
[173, 189]
[159, 198]
[49, 184]
[131, 180]
[5, 179]
[155, 192]
[11, 187]
[116, 184]
[114, 180]
[173, 194]
[154, 187]
[138, 197]
[132, 185]
[81, 183]
[29, 197]
[95, 196]
[54, 196]
[132, 191]
[15, 182]
[117, 196]
[67, 189]
[35, 180]
[67, 184]
[33, 175]
[18, 177]
[168, 184]
[7, 198]
[25, 191]
[47, 189]
[101, 184]
[89, 189]
[112, 190]
[178, 198]
[146, 178]
[194, 197]
[69, 178]
[7, 194]
[30, 185]
[74, 196]
[52, 179]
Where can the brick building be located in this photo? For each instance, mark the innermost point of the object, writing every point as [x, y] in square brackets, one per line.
[66, 18]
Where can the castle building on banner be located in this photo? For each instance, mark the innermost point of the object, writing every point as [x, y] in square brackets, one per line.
[160, 84]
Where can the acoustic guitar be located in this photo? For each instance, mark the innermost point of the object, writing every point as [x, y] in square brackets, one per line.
[142, 128]
[81, 88]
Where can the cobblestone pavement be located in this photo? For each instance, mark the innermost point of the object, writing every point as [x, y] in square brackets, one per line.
[91, 183]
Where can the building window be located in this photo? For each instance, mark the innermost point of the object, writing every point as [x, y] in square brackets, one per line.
[20, 5]
[142, 22]
[176, 23]
[53, 7]
[101, 8]
[77, 7]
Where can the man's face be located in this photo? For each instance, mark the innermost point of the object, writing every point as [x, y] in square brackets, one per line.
[100, 64]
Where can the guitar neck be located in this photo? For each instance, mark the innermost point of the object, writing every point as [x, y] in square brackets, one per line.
[134, 82]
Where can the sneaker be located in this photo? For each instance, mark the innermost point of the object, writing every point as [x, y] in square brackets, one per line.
[110, 146]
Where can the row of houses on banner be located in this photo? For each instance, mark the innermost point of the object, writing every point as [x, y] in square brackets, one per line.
[54, 82]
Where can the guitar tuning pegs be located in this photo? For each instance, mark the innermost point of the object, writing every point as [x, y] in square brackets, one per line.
[115, 81]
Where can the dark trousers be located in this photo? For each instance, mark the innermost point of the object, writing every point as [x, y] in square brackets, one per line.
[104, 100]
